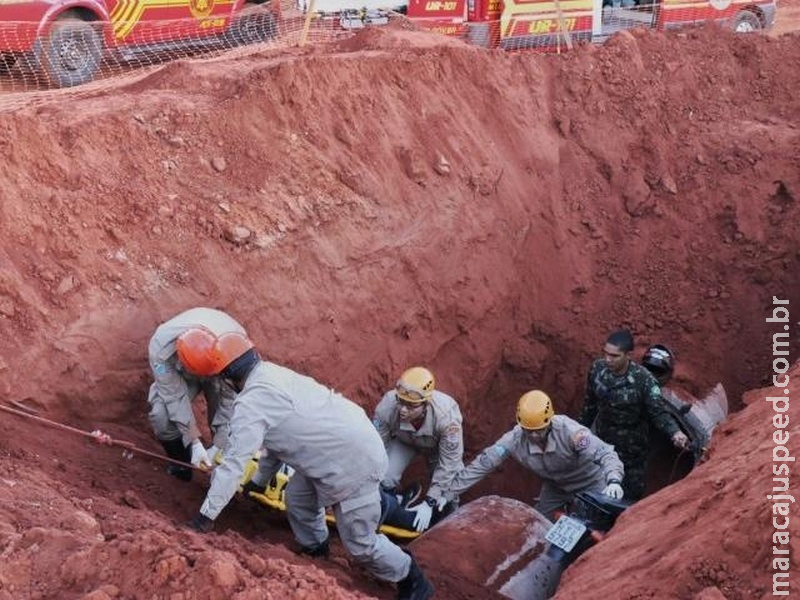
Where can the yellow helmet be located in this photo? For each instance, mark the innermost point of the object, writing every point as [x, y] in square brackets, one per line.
[415, 385]
[534, 410]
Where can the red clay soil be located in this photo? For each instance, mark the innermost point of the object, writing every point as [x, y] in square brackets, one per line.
[380, 203]
[711, 535]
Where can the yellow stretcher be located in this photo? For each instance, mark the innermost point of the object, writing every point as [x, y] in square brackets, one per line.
[273, 498]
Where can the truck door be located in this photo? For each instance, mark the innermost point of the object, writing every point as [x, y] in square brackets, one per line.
[156, 22]
[545, 24]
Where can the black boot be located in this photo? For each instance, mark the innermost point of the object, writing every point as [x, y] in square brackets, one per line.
[177, 451]
[414, 586]
[321, 550]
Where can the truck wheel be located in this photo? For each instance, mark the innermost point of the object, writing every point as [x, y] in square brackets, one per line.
[254, 28]
[747, 21]
[70, 54]
[7, 62]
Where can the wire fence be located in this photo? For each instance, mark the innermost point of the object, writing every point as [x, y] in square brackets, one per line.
[78, 46]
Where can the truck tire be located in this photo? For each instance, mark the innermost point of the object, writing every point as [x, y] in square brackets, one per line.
[71, 52]
[254, 28]
[746, 21]
[7, 62]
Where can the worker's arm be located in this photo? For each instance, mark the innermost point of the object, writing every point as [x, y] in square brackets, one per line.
[248, 428]
[384, 415]
[590, 406]
[451, 454]
[486, 462]
[171, 388]
[656, 406]
[592, 448]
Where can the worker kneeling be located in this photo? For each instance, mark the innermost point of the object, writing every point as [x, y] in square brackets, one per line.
[337, 454]
[566, 456]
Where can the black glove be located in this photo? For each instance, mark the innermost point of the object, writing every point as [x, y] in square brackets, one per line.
[253, 487]
[201, 523]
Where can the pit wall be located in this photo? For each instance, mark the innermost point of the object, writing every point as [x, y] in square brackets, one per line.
[490, 216]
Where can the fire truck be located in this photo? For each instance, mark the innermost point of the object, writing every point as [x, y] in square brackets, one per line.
[549, 24]
[65, 41]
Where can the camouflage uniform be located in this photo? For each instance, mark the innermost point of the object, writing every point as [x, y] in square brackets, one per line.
[624, 405]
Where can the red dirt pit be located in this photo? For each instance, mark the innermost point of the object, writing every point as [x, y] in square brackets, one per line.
[385, 201]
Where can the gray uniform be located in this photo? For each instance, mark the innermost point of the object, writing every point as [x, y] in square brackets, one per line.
[440, 439]
[337, 455]
[573, 460]
[173, 390]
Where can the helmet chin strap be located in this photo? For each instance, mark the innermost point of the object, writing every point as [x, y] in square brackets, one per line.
[240, 368]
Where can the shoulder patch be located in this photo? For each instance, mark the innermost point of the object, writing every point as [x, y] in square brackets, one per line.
[160, 368]
[655, 390]
[451, 440]
[454, 429]
[450, 445]
[501, 451]
[580, 441]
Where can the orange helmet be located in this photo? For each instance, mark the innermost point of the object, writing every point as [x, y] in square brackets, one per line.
[206, 355]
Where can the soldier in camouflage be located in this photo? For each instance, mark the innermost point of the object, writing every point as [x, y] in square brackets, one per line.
[622, 399]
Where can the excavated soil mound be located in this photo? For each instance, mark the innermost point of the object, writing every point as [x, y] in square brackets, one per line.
[712, 535]
[360, 208]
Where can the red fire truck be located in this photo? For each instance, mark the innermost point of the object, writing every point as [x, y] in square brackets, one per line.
[547, 24]
[65, 41]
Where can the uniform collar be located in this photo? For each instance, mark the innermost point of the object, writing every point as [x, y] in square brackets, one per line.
[427, 425]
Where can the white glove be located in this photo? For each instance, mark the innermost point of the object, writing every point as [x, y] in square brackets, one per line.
[441, 503]
[679, 440]
[200, 456]
[215, 454]
[613, 490]
[424, 513]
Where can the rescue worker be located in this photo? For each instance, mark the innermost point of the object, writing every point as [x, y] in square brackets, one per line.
[622, 399]
[566, 456]
[174, 387]
[329, 441]
[417, 419]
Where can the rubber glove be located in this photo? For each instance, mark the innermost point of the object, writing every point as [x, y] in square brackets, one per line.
[613, 490]
[102, 438]
[423, 518]
[679, 440]
[200, 456]
[215, 454]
